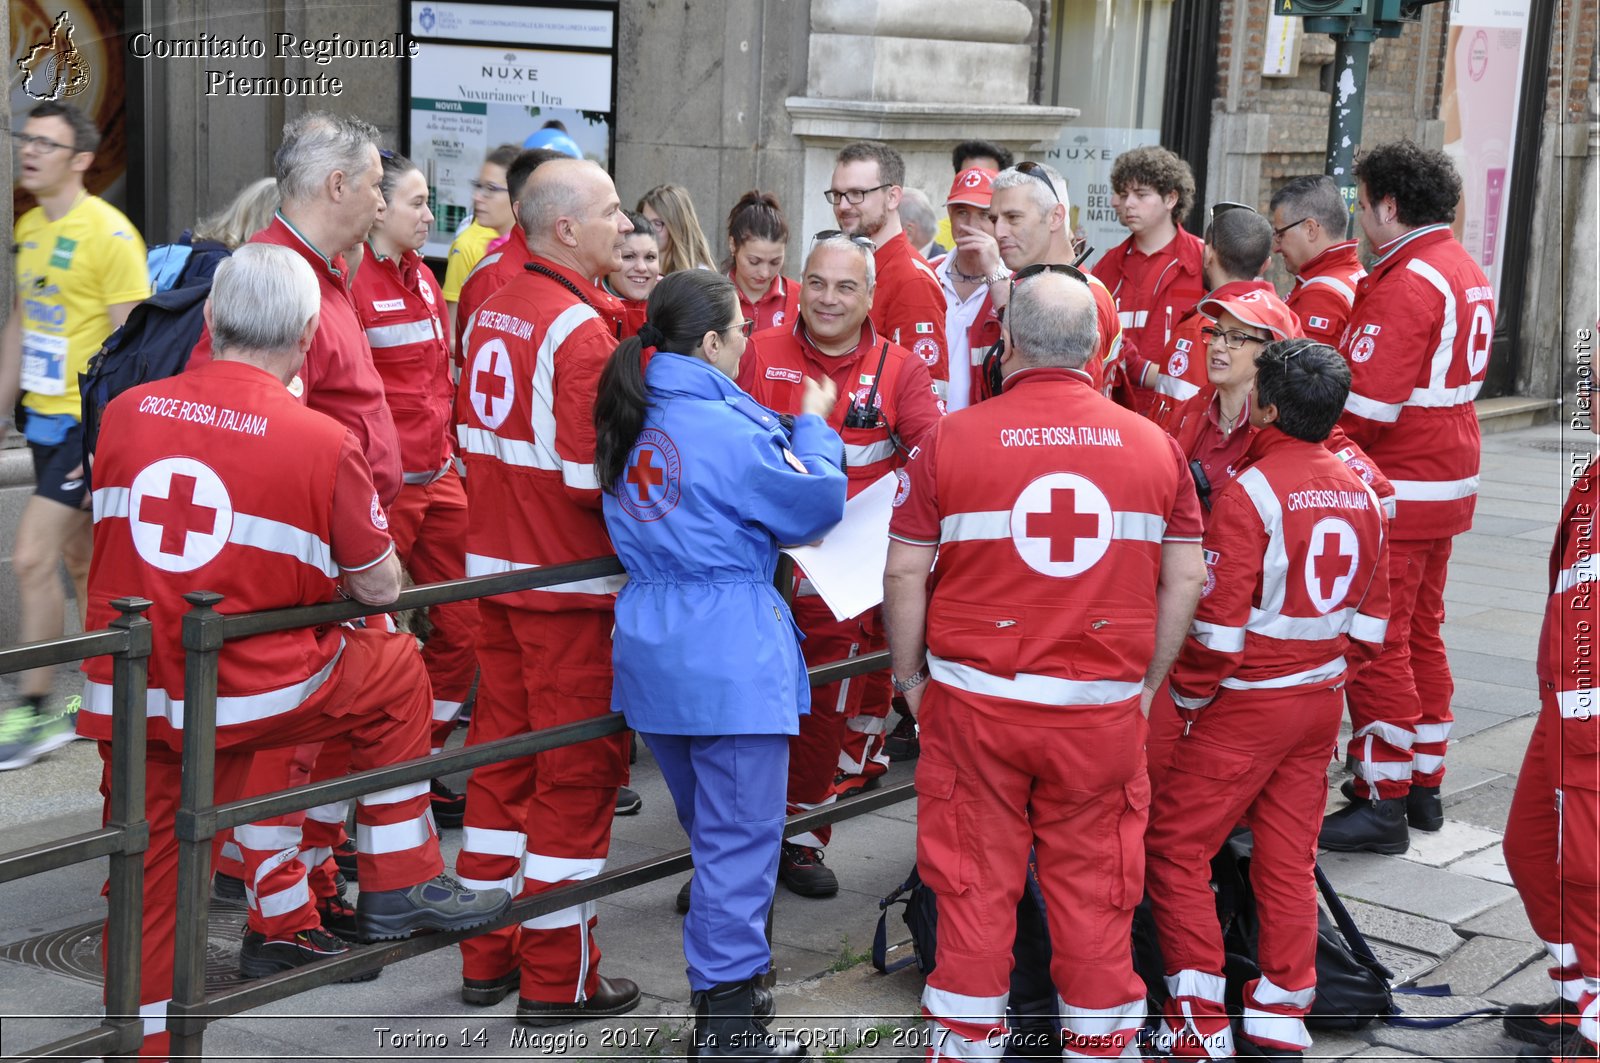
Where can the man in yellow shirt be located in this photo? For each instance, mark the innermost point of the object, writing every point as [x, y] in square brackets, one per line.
[80, 270]
[492, 219]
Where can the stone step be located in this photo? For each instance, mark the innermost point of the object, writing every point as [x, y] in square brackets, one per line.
[1511, 412]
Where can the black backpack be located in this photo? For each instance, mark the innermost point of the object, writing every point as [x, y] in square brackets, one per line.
[155, 341]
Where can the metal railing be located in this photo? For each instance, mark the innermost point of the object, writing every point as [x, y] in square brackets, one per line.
[125, 835]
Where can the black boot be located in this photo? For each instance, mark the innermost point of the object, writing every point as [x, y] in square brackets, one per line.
[1377, 826]
[725, 1027]
[1347, 790]
[1424, 810]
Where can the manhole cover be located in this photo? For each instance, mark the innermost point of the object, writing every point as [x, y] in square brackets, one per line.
[75, 951]
[1407, 964]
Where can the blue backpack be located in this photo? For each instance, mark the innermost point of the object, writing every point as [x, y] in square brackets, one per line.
[156, 340]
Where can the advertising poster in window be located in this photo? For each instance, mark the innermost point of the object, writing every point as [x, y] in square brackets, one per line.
[1482, 90]
[492, 74]
[1084, 156]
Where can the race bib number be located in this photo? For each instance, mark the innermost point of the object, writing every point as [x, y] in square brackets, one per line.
[44, 363]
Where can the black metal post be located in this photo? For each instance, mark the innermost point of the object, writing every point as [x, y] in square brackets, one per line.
[125, 905]
[1351, 58]
[195, 824]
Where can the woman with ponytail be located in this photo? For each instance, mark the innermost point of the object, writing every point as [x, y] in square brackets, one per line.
[702, 485]
[757, 233]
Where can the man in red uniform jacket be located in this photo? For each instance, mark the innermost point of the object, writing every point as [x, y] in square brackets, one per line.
[1552, 844]
[1309, 220]
[886, 410]
[965, 275]
[908, 304]
[1030, 213]
[1156, 274]
[534, 353]
[1068, 567]
[327, 210]
[1418, 346]
[1296, 593]
[220, 478]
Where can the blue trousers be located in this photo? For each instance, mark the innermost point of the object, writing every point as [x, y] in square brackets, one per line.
[729, 791]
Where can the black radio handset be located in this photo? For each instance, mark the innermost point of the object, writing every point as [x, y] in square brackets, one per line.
[868, 416]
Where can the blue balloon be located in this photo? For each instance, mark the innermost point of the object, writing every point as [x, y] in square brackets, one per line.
[554, 140]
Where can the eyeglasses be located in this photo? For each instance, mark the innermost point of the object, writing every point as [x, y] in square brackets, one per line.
[1033, 169]
[1233, 338]
[43, 145]
[1043, 267]
[853, 195]
[488, 187]
[1219, 209]
[1278, 233]
[863, 242]
[746, 327]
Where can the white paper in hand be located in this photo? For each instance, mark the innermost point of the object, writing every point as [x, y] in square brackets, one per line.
[846, 568]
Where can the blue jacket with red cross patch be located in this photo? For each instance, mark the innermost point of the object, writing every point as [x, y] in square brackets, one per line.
[704, 644]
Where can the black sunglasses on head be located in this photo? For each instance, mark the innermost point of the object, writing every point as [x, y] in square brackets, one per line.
[1043, 267]
[1033, 169]
[1219, 209]
[829, 234]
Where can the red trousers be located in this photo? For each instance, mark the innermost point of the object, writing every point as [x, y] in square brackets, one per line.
[429, 526]
[861, 753]
[543, 821]
[994, 780]
[814, 753]
[1400, 702]
[1552, 849]
[292, 875]
[378, 694]
[1260, 756]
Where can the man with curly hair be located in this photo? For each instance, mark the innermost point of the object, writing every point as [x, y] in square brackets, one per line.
[1418, 344]
[1157, 274]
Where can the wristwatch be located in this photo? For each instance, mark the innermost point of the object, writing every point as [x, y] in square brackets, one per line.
[910, 682]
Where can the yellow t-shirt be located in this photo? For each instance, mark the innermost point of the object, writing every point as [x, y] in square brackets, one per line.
[467, 250]
[68, 272]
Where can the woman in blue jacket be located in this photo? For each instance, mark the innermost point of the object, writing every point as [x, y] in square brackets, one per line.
[702, 485]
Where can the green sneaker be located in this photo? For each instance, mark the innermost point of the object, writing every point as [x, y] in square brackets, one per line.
[52, 730]
[18, 725]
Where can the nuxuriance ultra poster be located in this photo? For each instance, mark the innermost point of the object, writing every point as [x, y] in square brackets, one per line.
[546, 68]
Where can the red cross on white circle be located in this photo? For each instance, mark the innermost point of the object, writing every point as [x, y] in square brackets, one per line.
[492, 388]
[179, 514]
[1061, 524]
[1331, 562]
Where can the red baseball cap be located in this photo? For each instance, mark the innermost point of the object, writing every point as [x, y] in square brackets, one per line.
[1258, 308]
[974, 187]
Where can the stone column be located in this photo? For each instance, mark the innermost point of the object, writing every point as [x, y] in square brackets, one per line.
[920, 75]
[1583, 253]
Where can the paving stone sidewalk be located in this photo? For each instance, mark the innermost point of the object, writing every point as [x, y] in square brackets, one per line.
[1443, 912]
